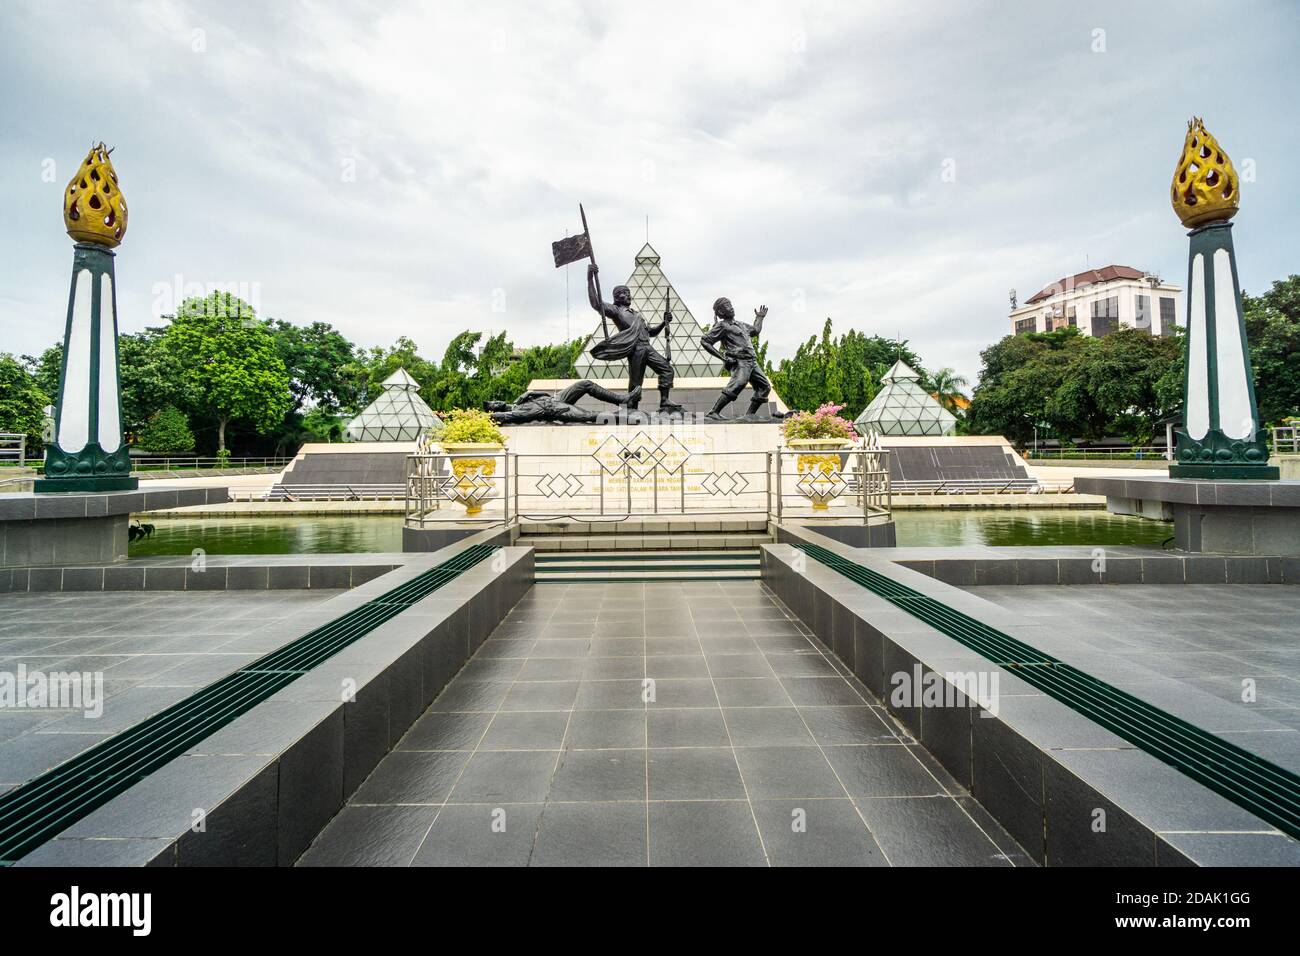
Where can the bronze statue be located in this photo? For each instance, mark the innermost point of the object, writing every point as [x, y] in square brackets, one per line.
[632, 342]
[532, 407]
[737, 354]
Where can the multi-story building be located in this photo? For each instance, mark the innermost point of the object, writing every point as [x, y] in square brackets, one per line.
[1099, 301]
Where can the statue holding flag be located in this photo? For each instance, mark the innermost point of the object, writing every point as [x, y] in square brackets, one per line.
[632, 340]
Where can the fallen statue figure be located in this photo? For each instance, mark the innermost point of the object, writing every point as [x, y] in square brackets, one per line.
[533, 407]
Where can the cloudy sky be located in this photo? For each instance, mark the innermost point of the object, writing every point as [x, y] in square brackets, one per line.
[401, 168]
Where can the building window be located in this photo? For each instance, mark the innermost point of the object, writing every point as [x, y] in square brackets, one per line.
[1168, 321]
[1105, 315]
[1142, 312]
[1071, 318]
[1025, 325]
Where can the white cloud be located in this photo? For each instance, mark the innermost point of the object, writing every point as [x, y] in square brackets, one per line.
[386, 167]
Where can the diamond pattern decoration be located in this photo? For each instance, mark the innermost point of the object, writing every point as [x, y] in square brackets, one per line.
[470, 485]
[725, 483]
[649, 286]
[641, 455]
[559, 486]
[818, 482]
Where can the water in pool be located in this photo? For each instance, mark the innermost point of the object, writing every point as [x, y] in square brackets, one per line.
[1027, 526]
[325, 535]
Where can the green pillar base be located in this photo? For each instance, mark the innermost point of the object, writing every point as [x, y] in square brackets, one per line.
[1226, 472]
[1222, 458]
[45, 486]
[90, 469]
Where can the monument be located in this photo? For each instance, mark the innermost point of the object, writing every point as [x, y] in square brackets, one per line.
[79, 511]
[1221, 494]
[1221, 437]
[88, 453]
[576, 453]
[632, 342]
[538, 407]
[738, 357]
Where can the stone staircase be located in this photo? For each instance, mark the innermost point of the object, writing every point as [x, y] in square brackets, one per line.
[646, 549]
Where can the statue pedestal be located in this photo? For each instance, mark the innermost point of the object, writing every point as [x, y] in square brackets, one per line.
[72, 528]
[1233, 516]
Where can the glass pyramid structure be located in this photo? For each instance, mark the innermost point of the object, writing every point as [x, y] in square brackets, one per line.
[649, 286]
[902, 407]
[399, 414]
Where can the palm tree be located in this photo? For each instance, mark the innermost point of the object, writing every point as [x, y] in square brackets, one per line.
[948, 387]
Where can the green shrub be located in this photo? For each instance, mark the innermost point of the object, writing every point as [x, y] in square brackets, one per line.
[168, 431]
[823, 423]
[471, 425]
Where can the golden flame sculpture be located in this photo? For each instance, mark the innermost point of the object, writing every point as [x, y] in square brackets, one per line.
[1205, 187]
[93, 207]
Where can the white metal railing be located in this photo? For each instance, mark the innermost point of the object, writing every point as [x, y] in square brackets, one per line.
[1286, 440]
[194, 463]
[984, 486]
[13, 448]
[324, 492]
[654, 479]
[1101, 452]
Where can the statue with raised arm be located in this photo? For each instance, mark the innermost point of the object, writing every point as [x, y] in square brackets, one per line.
[533, 407]
[632, 342]
[732, 341]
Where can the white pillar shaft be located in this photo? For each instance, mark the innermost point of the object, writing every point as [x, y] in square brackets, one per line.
[110, 416]
[74, 407]
[1197, 412]
[1235, 418]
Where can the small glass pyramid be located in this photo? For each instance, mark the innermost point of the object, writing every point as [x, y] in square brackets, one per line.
[902, 407]
[399, 414]
[649, 287]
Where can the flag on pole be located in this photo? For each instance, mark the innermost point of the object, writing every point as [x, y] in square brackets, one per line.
[571, 249]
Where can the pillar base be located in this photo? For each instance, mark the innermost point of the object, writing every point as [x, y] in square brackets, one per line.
[1226, 472]
[45, 486]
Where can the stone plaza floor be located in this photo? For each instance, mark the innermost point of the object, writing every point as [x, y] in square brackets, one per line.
[152, 648]
[754, 749]
[1185, 648]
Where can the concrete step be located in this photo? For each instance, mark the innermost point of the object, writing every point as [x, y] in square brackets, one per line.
[627, 566]
[647, 525]
[640, 542]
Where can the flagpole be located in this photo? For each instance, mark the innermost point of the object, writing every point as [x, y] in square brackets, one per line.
[667, 325]
[604, 323]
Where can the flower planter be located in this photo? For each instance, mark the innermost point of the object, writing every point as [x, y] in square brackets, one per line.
[819, 465]
[473, 464]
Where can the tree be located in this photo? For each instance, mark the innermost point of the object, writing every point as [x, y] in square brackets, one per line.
[1273, 330]
[1019, 381]
[844, 371]
[321, 363]
[947, 387]
[376, 364]
[230, 362]
[167, 430]
[151, 378]
[1080, 387]
[22, 402]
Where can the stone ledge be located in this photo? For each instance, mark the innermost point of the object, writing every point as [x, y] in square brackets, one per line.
[1284, 493]
[270, 781]
[217, 574]
[28, 506]
[1037, 766]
